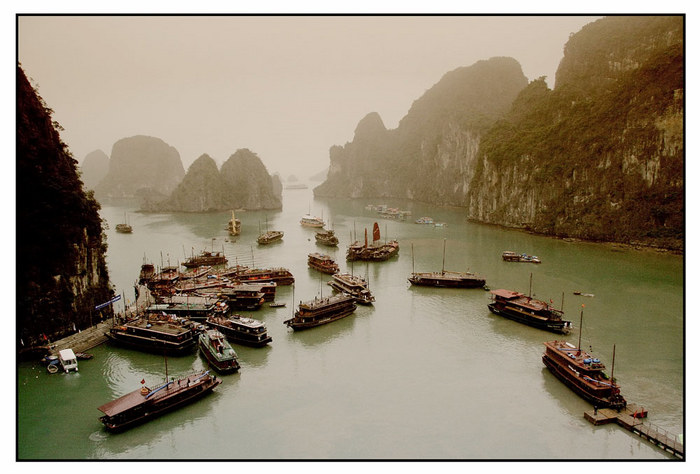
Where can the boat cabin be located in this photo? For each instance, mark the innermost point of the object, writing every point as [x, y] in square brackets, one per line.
[68, 360]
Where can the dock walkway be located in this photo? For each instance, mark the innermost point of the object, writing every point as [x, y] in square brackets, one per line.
[93, 336]
[632, 419]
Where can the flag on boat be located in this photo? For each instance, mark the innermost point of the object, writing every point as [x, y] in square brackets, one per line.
[113, 300]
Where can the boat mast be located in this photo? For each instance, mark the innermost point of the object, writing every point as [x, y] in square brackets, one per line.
[444, 242]
[530, 294]
[612, 369]
[580, 330]
[562, 301]
[413, 261]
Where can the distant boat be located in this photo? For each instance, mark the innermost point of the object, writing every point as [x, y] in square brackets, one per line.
[446, 279]
[144, 404]
[124, 228]
[206, 258]
[510, 256]
[270, 236]
[425, 220]
[234, 225]
[296, 186]
[322, 263]
[374, 252]
[327, 237]
[308, 220]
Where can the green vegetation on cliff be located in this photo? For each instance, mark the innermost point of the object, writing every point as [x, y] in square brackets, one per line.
[61, 270]
[601, 156]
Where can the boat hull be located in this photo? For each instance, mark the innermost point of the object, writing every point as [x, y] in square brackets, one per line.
[569, 380]
[447, 283]
[152, 345]
[298, 324]
[154, 410]
[559, 327]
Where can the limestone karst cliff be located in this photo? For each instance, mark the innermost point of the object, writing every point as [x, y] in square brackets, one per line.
[61, 269]
[94, 168]
[141, 165]
[242, 183]
[600, 156]
[431, 155]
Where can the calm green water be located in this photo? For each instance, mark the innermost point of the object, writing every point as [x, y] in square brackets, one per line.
[423, 374]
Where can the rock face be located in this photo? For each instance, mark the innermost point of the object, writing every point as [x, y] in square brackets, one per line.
[248, 184]
[431, 156]
[242, 183]
[141, 165]
[94, 168]
[61, 270]
[601, 156]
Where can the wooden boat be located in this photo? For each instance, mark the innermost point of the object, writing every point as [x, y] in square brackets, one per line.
[326, 237]
[270, 237]
[206, 258]
[169, 337]
[123, 228]
[218, 352]
[322, 263]
[425, 220]
[376, 251]
[194, 308]
[281, 276]
[446, 279]
[240, 330]
[309, 221]
[510, 256]
[234, 225]
[240, 296]
[144, 404]
[321, 311]
[355, 286]
[278, 305]
[583, 373]
[527, 310]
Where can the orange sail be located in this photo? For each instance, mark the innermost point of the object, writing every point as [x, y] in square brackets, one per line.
[375, 232]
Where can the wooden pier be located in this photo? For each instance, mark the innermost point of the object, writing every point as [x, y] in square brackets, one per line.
[632, 419]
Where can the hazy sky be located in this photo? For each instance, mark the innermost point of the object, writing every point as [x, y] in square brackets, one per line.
[286, 87]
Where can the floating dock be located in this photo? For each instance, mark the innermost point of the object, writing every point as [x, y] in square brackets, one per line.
[631, 418]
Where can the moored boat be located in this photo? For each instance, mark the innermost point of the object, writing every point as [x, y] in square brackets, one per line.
[240, 296]
[321, 311]
[310, 221]
[124, 228]
[281, 276]
[376, 251]
[144, 404]
[148, 271]
[327, 237]
[322, 263]
[446, 279]
[218, 352]
[355, 286]
[583, 373]
[234, 225]
[270, 237]
[524, 309]
[240, 330]
[206, 258]
[159, 336]
[510, 256]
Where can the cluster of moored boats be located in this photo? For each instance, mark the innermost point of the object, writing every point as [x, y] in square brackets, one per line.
[194, 308]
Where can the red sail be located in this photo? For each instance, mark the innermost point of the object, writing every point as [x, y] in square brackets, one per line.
[375, 232]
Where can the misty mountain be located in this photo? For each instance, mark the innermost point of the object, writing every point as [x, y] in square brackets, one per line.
[141, 165]
[94, 168]
[600, 157]
[242, 183]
